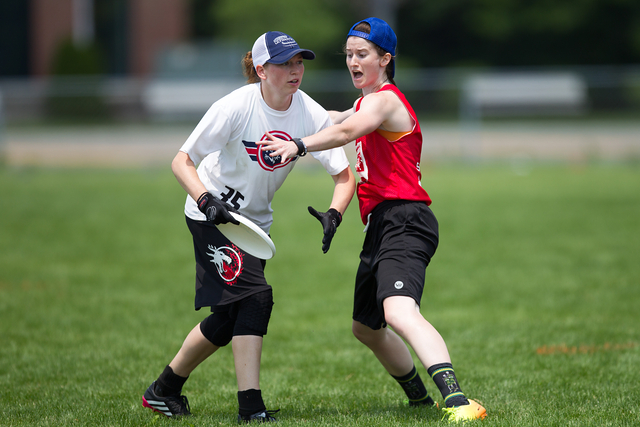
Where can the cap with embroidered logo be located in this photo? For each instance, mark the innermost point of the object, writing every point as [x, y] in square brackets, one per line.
[380, 34]
[277, 47]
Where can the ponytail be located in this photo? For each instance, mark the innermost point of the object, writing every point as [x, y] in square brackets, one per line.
[248, 70]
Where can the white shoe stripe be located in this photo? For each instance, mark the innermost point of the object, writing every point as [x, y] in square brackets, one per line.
[160, 406]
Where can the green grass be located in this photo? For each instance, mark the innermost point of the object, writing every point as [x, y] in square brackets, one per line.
[535, 288]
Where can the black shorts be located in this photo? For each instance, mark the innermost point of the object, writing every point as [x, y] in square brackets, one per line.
[249, 316]
[401, 239]
[224, 273]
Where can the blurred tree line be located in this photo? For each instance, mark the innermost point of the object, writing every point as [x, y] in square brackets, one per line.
[444, 33]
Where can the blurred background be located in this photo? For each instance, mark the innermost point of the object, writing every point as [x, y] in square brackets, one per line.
[536, 79]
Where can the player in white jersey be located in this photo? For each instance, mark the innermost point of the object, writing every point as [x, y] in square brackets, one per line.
[233, 174]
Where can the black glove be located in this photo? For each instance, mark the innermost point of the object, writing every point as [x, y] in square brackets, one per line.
[215, 209]
[330, 221]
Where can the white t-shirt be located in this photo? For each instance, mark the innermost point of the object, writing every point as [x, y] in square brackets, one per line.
[230, 163]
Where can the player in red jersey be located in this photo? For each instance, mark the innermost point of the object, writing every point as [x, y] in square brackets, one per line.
[402, 231]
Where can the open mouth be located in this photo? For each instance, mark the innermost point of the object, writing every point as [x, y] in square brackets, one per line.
[356, 74]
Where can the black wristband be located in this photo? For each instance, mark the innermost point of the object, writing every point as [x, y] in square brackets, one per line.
[302, 149]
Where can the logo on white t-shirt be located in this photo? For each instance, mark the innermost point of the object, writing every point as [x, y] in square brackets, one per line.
[263, 158]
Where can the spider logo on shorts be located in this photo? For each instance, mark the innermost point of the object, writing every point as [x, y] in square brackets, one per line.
[228, 262]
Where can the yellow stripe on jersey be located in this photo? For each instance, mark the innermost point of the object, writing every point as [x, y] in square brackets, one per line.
[392, 136]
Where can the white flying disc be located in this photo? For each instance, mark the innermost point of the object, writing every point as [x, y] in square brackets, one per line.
[248, 237]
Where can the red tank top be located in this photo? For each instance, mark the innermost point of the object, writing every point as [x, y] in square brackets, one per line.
[388, 164]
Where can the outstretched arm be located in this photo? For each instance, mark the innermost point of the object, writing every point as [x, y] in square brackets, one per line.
[338, 117]
[374, 110]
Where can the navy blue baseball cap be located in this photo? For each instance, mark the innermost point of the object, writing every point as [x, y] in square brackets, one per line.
[381, 35]
[277, 47]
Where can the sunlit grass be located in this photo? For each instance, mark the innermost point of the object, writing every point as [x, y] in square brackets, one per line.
[534, 287]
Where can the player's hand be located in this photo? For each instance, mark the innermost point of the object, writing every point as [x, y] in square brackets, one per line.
[279, 147]
[215, 209]
[330, 221]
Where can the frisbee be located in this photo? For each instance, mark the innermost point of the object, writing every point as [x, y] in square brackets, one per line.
[248, 237]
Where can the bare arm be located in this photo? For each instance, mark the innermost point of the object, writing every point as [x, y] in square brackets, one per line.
[185, 172]
[338, 117]
[342, 194]
[345, 186]
[375, 109]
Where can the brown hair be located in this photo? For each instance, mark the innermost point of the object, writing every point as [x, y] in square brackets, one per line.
[248, 69]
[366, 28]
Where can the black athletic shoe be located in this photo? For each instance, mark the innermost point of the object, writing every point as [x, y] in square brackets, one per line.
[258, 417]
[427, 401]
[171, 406]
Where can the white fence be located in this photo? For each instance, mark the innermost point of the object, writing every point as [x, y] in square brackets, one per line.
[523, 93]
[468, 93]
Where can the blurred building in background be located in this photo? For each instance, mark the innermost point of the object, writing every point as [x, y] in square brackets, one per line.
[170, 59]
[94, 53]
[127, 33]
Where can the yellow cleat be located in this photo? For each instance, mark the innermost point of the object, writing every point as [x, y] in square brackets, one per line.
[472, 411]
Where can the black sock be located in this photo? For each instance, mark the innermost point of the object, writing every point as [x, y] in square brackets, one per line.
[414, 388]
[444, 377]
[169, 383]
[250, 402]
